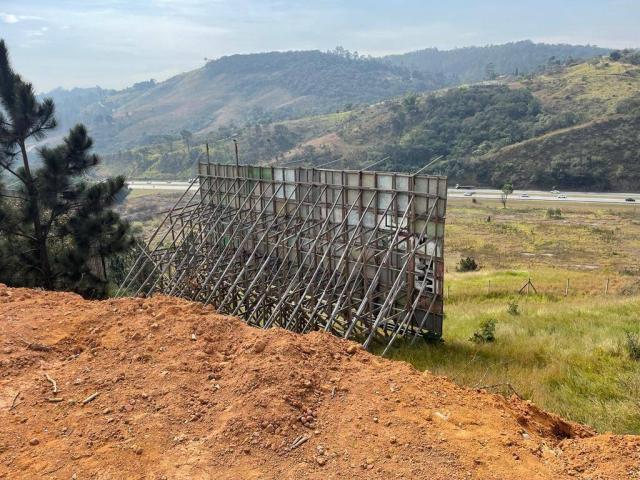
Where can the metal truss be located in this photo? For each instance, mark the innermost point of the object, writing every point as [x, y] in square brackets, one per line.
[355, 253]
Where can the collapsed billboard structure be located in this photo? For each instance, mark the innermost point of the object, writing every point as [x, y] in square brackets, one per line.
[355, 253]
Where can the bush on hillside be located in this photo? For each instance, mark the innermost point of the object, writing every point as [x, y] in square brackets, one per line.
[486, 333]
[629, 105]
[632, 345]
[554, 213]
[513, 309]
[467, 265]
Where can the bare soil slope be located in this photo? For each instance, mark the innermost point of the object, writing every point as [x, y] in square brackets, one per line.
[164, 388]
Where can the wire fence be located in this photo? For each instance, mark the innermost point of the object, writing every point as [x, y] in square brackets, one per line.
[567, 287]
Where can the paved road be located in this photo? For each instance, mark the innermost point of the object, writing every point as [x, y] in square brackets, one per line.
[483, 193]
[177, 186]
[528, 195]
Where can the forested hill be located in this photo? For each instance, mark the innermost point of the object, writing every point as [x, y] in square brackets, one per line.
[473, 64]
[572, 126]
[240, 90]
[237, 89]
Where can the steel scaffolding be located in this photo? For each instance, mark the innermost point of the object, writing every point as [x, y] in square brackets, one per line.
[355, 253]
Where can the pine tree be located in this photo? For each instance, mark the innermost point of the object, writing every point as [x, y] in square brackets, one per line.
[56, 229]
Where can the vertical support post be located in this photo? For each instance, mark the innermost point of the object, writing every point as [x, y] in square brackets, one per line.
[235, 144]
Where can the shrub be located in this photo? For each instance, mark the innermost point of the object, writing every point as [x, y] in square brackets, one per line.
[467, 265]
[432, 338]
[486, 333]
[629, 105]
[633, 345]
[554, 213]
[512, 308]
[615, 55]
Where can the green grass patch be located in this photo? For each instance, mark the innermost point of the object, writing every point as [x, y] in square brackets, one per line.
[566, 355]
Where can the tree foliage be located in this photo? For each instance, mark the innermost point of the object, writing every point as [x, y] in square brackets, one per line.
[460, 123]
[486, 333]
[505, 192]
[56, 229]
[627, 55]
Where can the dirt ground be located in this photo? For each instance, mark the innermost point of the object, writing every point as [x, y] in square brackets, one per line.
[163, 388]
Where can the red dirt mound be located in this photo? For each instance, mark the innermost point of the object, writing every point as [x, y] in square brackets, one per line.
[163, 388]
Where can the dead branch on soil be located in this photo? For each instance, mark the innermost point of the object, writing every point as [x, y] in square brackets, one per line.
[13, 402]
[90, 397]
[298, 441]
[497, 385]
[55, 400]
[53, 383]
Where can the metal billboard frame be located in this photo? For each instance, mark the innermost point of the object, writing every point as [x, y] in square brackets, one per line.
[353, 252]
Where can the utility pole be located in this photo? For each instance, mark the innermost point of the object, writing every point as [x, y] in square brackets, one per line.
[235, 143]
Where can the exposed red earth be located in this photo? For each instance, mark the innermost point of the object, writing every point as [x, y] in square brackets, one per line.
[163, 388]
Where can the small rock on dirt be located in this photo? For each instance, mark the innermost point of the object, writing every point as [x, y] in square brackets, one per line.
[259, 346]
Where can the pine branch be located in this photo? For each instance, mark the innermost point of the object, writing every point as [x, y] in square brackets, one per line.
[20, 233]
[8, 169]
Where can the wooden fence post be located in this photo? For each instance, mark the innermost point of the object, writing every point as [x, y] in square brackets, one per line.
[566, 289]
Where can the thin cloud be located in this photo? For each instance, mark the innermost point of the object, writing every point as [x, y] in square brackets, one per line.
[9, 18]
[37, 33]
[115, 43]
[12, 18]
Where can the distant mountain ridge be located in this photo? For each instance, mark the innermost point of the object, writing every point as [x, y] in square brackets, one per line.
[237, 90]
[471, 64]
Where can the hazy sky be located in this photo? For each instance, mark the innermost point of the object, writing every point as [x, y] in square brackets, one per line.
[113, 43]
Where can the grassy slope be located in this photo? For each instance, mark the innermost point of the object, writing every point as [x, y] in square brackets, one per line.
[151, 160]
[604, 145]
[590, 89]
[564, 353]
[599, 155]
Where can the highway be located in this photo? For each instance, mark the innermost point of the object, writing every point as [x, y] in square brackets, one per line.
[481, 193]
[176, 186]
[537, 195]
